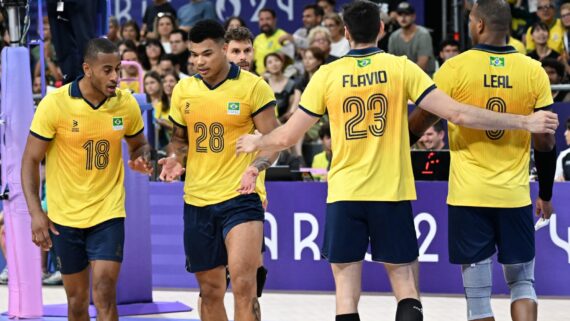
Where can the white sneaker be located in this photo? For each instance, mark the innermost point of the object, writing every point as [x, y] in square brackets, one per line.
[54, 279]
[4, 276]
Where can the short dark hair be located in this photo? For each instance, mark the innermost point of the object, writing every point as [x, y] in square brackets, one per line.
[331, 2]
[318, 53]
[362, 18]
[227, 22]
[238, 34]
[540, 26]
[325, 131]
[183, 33]
[495, 13]
[271, 11]
[448, 42]
[438, 127]
[316, 9]
[99, 45]
[554, 64]
[276, 55]
[135, 25]
[207, 29]
[169, 57]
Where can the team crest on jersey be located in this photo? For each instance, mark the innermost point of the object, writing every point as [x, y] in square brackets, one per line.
[497, 61]
[233, 108]
[118, 123]
[364, 62]
[75, 126]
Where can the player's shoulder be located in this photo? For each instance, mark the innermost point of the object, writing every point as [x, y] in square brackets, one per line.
[58, 95]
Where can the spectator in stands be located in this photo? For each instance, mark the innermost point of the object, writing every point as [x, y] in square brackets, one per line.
[328, 6]
[563, 161]
[340, 45]
[129, 73]
[179, 47]
[126, 44]
[412, 40]
[113, 32]
[323, 160]
[389, 16]
[555, 71]
[130, 31]
[539, 32]
[240, 47]
[167, 65]
[434, 137]
[53, 73]
[565, 19]
[153, 53]
[312, 17]
[547, 14]
[268, 40]
[283, 87]
[37, 85]
[448, 49]
[168, 82]
[234, 22]
[153, 11]
[190, 71]
[4, 273]
[4, 36]
[161, 104]
[164, 24]
[195, 11]
[320, 37]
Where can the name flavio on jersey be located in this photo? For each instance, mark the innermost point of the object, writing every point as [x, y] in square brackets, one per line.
[368, 79]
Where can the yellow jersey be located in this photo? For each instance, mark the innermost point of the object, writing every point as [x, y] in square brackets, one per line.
[264, 45]
[555, 38]
[491, 168]
[517, 44]
[366, 96]
[132, 86]
[84, 165]
[215, 117]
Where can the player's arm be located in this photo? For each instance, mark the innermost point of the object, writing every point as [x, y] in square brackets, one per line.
[265, 121]
[281, 138]
[139, 153]
[178, 149]
[418, 122]
[440, 104]
[34, 152]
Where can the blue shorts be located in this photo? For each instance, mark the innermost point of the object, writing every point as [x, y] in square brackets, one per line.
[206, 228]
[387, 226]
[76, 247]
[475, 234]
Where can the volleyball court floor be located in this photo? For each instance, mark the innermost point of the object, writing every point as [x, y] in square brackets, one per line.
[309, 306]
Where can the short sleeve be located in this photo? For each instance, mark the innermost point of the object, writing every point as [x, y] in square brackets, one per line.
[542, 86]
[175, 108]
[313, 100]
[262, 97]
[136, 124]
[43, 125]
[418, 83]
[444, 78]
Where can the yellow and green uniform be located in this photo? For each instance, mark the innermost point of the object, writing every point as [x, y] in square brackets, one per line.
[84, 165]
[555, 38]
[215, 117]
[366, 96]
[264, 45]
[490, 168]
[132, 86]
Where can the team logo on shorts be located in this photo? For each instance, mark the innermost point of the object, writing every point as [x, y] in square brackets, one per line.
[497, 61]
[233, 108]
[364, 62]
[117, 123]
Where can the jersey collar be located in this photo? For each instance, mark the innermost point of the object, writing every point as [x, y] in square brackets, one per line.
[75, 92]
[363, 52]
[496, 49]
[232, 74]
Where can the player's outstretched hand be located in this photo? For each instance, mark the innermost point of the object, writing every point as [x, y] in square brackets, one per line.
[544, 208]
[142, 164]
[171, 169]
[248, 143]
[41, 225]
[542, 122]
[248, 180]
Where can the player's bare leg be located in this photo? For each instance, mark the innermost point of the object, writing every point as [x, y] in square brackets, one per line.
[213, 288]
[348, 282]
[243, 260]
[524, 310]
[105, 276]
[76, 287]
[404, 281]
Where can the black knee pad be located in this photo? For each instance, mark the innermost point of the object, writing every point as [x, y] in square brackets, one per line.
[261, 277]
[409, 310]
[348, 317]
